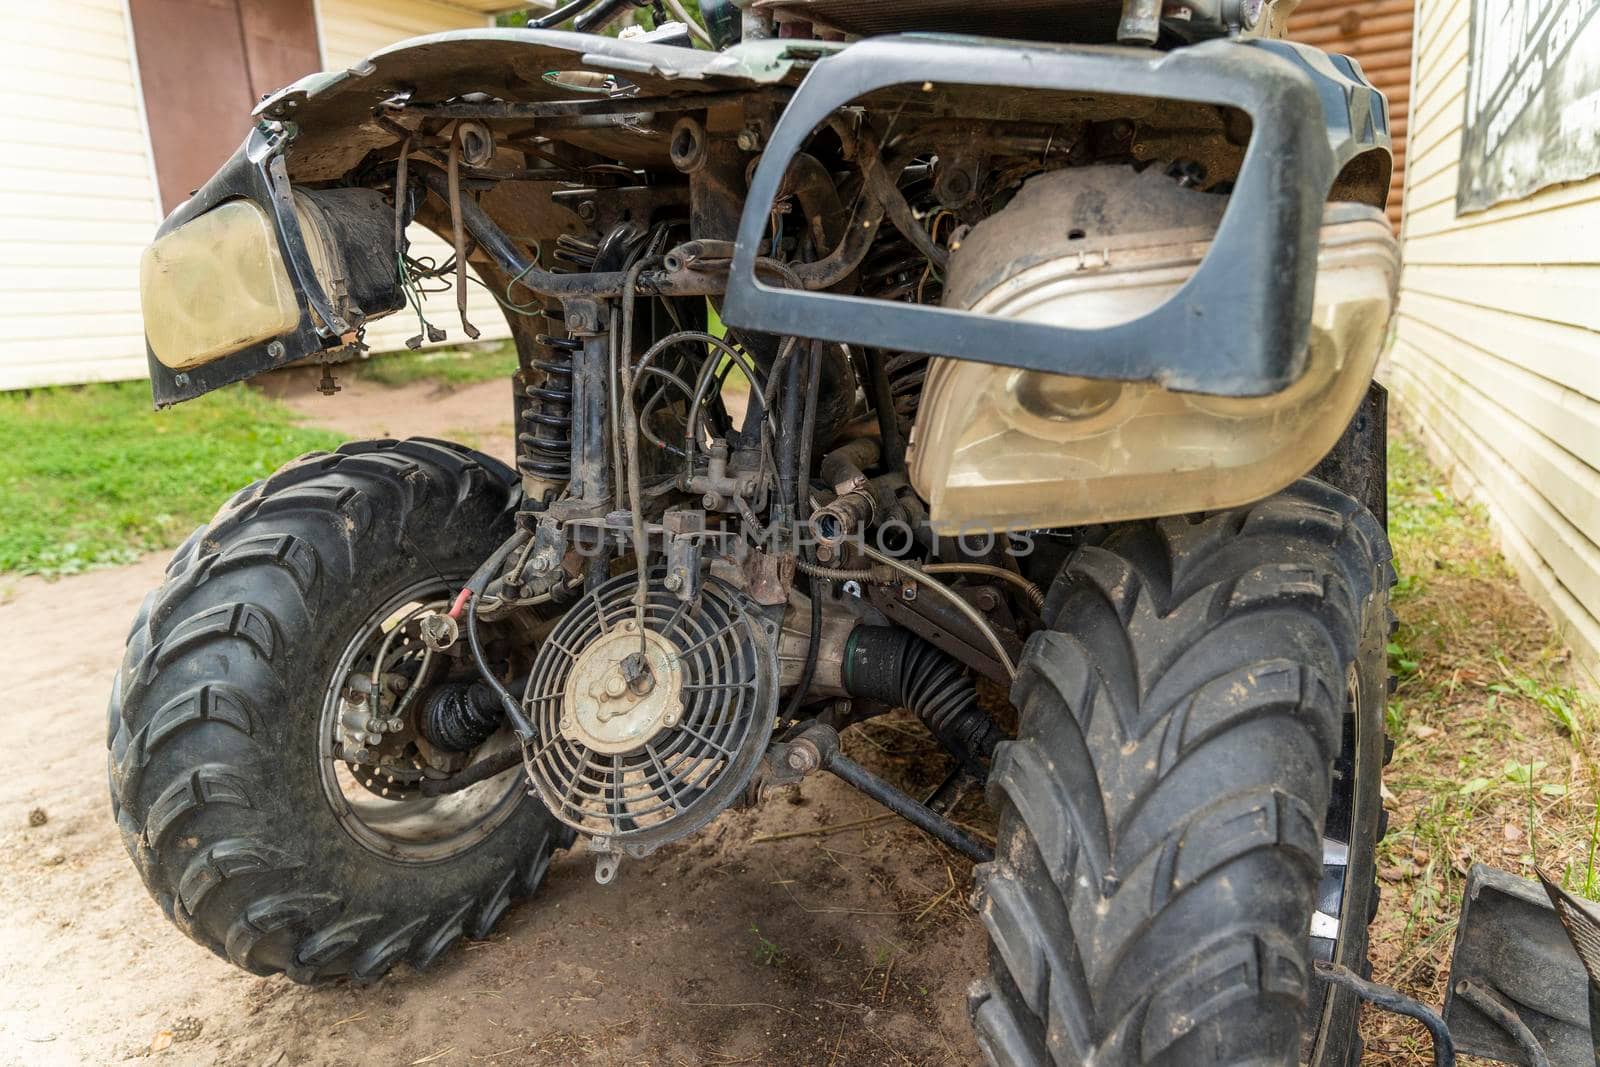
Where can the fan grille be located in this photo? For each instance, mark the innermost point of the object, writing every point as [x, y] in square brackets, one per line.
[678, 780]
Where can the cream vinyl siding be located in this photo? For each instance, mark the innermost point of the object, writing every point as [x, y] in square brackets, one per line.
[351, 30]
[77, 195]
[1497, 353]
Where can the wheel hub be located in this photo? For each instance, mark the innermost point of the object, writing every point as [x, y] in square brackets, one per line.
[621, 696]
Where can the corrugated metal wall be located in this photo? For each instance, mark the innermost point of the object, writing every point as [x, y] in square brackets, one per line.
[1377, 33]
[1498, 347]
[77, 195]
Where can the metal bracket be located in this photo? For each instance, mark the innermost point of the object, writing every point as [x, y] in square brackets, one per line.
[685, 530]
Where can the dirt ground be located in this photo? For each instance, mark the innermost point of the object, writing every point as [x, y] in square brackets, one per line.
[850, 944]
[847, 947]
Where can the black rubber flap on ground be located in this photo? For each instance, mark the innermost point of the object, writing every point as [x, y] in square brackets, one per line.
[1511, 941]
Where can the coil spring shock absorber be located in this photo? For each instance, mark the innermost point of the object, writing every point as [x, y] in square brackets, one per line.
[895, 270]
[545, 440]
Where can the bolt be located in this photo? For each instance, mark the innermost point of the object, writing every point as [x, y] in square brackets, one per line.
[908, 593]
[987, 601]
[587, 211]
[711, 502]
[749, 139]
[181, 381]
[275, 350]
[673, 582]
[803, 758]
[825, 553]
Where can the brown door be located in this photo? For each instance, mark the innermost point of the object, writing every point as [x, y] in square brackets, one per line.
[203, 65]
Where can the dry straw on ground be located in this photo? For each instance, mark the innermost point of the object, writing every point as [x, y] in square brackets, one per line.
[1494, 751]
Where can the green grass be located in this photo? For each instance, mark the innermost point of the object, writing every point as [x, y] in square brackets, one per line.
[92, 477]
[1493, 762]
[447, 366]
[767, 952]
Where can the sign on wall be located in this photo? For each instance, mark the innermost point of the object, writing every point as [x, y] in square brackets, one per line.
[1533, 99]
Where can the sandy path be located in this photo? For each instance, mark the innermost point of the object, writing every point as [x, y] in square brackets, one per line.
[852, 948]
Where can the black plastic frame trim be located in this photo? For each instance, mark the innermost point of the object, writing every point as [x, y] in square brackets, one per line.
[1238, 327]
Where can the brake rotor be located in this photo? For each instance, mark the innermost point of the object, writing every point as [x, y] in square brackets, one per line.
[643, 737]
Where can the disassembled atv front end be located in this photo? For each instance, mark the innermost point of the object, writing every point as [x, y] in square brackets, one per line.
[985, 298]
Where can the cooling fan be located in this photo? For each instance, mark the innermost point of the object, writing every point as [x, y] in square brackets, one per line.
[641, 739]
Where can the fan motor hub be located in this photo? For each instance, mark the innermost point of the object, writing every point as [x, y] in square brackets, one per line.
[621, 696]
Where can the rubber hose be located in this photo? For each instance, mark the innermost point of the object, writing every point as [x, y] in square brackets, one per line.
[900, 669]
[848, 461]
[835, 574]
[560, 15]
[473, 590]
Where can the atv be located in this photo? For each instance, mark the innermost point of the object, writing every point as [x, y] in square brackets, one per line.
[873, 355]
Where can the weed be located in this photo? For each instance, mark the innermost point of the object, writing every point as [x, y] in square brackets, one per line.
[1563, 702]
[1400, 663]
[1394, 718]
[1591, 876]
[767, 952]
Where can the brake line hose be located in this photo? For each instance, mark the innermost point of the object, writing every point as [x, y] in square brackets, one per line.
[469, 597]
[1034, 594]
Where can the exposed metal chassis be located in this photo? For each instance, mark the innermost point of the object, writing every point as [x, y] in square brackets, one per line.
[1237, 328]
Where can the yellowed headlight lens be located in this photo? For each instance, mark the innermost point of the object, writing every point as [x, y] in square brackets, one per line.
[215, 285]
[1000, 449]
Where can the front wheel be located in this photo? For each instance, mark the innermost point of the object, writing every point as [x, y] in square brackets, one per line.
[1189, 812]
[236, 792]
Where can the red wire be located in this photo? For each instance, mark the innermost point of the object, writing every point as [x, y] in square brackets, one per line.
[461, 602]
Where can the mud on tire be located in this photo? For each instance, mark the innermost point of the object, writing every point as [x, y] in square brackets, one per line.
[215, 711]
[1162, 809]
